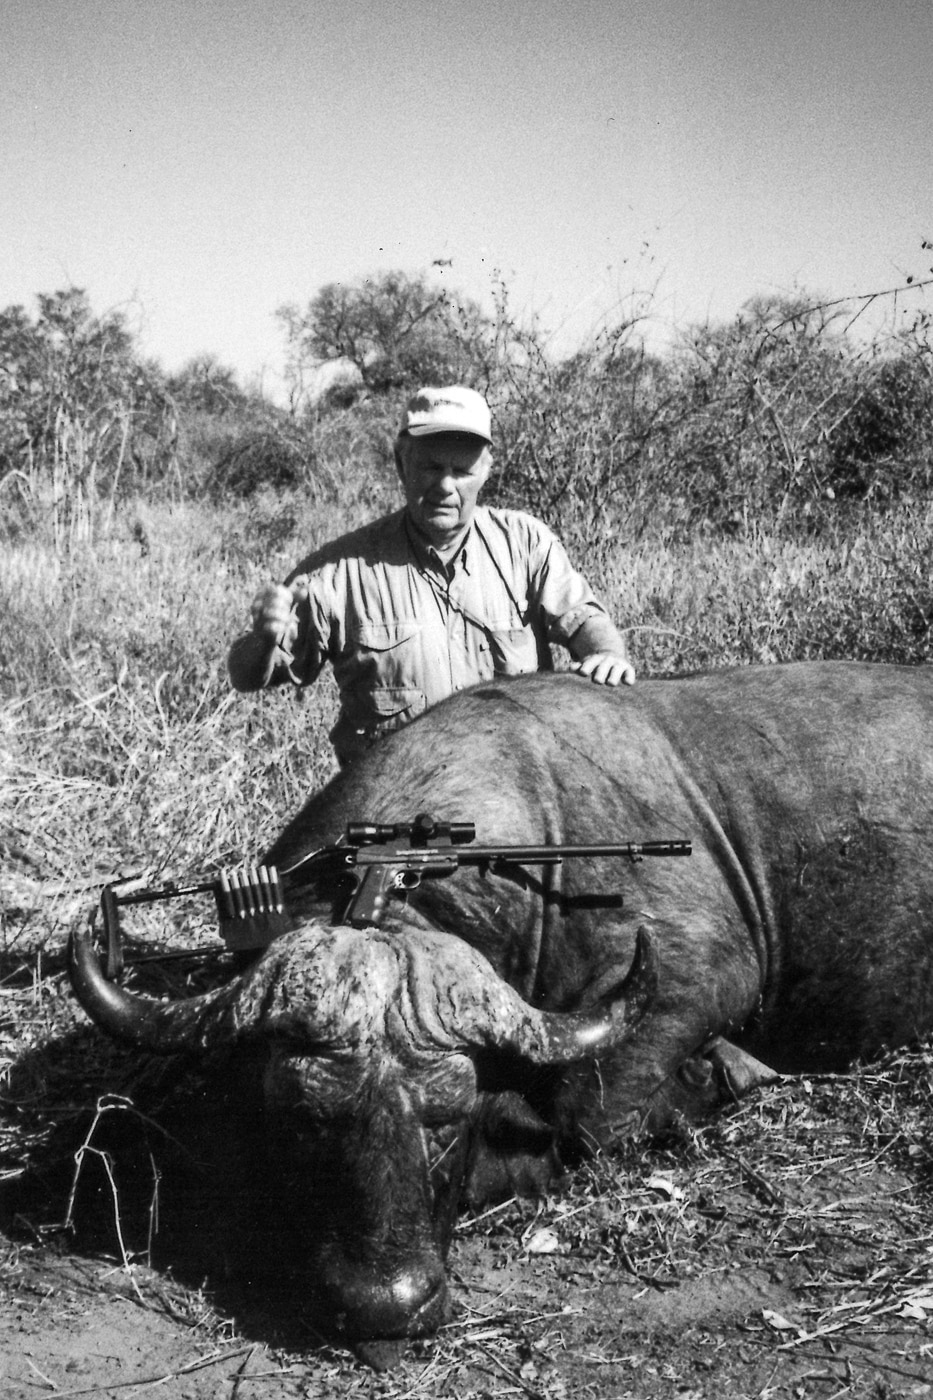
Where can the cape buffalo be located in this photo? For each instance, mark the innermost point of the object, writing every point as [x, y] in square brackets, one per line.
[493, 1026]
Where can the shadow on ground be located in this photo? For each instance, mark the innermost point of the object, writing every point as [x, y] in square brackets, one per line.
[160, 1161]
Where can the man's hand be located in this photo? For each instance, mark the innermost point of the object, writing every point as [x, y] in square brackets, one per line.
[273, 613]
[264, 653]
[606, 668]
[600, 652]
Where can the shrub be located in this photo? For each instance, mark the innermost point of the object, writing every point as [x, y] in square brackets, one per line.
[772, 419]
[81, 416]
[258, 459]
[884, 448]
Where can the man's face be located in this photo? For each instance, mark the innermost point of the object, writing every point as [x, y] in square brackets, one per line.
[442, 475]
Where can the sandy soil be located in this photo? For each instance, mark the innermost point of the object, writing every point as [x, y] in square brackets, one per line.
[785, 1250]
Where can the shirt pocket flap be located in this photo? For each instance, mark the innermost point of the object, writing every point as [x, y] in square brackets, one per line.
[389, 702]
[384, 636]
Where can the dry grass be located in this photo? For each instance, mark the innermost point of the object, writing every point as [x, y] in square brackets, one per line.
[121, 749]
[865, 594]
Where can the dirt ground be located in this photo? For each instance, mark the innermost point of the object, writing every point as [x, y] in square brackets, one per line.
[784, 1250]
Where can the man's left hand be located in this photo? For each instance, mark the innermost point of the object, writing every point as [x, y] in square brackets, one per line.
[605, 668]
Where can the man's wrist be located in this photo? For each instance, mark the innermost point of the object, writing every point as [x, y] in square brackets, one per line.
[598, 635]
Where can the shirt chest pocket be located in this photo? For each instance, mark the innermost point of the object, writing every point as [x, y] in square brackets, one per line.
[388, 653]
[514, 650]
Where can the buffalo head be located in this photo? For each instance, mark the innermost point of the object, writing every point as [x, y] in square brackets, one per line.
[375, 1049]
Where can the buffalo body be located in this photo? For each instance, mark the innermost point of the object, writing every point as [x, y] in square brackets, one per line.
[400, 1070]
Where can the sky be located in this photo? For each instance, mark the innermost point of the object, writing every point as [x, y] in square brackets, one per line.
[200, 163]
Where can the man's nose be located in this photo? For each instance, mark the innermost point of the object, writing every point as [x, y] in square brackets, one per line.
[445, 484]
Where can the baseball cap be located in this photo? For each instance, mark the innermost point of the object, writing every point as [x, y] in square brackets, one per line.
[452, 410]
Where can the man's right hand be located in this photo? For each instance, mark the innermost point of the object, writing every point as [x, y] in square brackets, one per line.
[274, 616]
[264, 654]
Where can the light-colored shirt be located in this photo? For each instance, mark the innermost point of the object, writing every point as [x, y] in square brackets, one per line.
[403, 629]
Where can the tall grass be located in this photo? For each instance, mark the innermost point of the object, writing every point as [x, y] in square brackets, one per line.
[124, 749]
[123, 746]
[865, 593]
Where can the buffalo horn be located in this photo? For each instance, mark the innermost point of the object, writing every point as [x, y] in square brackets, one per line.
[162, 1027]
[500, 1018]
[301, 993]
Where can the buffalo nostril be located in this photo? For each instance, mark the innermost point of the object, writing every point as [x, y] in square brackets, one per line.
[424, 1297]
[413, 1302]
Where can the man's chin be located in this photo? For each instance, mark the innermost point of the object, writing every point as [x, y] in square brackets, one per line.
[442, 527]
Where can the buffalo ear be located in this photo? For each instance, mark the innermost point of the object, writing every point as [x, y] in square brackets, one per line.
[508, 1122]
[512, 1151]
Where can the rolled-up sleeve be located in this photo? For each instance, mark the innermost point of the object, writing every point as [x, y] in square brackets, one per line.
[560, 591]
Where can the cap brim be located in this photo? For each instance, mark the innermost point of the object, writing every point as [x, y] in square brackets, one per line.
[432, 430]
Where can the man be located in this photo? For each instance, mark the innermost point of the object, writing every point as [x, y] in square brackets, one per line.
[433, 598]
